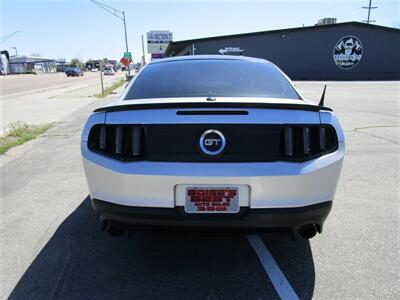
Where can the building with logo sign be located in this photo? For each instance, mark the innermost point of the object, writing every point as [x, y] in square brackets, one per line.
[342, 51]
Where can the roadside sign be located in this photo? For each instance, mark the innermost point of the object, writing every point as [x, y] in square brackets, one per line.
[128, 55]
[124, 61]
[158, 41]
[231, 51]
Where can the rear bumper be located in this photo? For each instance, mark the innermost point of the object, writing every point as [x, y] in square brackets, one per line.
[161, 185]
[247, 218]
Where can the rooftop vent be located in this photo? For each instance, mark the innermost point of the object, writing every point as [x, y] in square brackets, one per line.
[326, 21]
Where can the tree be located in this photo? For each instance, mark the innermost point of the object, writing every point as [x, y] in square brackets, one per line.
[75, 62]
[90, 63]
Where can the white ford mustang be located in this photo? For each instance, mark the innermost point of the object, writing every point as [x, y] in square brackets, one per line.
[213, 141]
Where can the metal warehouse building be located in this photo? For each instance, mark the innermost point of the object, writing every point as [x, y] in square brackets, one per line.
[342, 51]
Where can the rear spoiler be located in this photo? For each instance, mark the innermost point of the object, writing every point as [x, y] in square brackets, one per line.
[226, 105]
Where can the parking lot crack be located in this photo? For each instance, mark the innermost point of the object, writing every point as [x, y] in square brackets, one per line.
[58, 135]
[360, 130]
[61, 276]
[376, 126]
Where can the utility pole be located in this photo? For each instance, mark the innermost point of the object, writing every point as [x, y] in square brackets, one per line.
[115, 13]
[369, 7]
[143, 56]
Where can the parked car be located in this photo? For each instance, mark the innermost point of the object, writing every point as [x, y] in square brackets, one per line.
[223, 142]
[95, 70]
[109, 71]
[73, 71]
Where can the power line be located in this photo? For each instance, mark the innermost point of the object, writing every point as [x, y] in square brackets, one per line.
[390, 3]
[385, 3]
[369, 7]
[351, 13]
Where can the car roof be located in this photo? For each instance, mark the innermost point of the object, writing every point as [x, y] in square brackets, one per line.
[210, 57]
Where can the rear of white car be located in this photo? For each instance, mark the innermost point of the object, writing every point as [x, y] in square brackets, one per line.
[109, 71]
[212, 160]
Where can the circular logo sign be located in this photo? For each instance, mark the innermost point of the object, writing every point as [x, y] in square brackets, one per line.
[212, 142]
[348, 52]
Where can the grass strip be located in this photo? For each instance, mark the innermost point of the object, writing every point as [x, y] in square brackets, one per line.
[110, 89]
[19, 133]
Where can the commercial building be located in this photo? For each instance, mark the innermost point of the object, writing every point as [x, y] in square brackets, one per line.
[61, 64]
[342, 51]
[31, 64]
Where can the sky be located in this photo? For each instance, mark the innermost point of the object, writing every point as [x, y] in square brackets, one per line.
[78, 28]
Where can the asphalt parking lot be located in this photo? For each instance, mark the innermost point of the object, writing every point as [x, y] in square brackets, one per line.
[52, 246]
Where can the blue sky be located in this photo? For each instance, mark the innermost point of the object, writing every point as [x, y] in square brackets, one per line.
[65, 29]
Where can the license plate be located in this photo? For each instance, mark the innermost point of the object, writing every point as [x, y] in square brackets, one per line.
[220, 200]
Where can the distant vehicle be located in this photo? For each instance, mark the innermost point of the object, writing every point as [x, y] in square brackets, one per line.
[95, 70]
[73, 71]
[137, 68]
[109, 71]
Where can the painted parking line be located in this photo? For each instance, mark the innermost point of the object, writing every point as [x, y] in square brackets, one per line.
[278, 279]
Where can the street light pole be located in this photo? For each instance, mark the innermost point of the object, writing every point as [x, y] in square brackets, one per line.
[9, 36]
[115, 13]
[126, 40]
[16, 55]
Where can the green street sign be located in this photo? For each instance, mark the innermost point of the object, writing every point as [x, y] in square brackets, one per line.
[128, 55]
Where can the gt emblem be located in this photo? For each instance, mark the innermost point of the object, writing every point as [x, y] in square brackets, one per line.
[212, 142]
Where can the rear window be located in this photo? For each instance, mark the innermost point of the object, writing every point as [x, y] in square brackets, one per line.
[216, 78]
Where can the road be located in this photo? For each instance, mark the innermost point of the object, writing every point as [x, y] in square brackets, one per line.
[47, 98]
[52, 246]
[16, 84]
